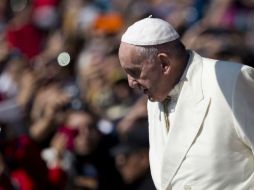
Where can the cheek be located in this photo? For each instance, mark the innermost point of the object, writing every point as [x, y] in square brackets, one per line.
[154, 82]
[82, 140]
[155, 73]
[132, 169]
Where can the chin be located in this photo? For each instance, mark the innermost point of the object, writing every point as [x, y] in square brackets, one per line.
[152, 99]
[155, 98]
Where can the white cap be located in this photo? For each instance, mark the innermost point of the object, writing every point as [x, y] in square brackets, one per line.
[149, 31]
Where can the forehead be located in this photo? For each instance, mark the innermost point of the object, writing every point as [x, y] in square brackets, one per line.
[130, 54]
[79, 118]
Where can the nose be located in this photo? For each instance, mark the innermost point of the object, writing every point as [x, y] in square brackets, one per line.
[133, 83]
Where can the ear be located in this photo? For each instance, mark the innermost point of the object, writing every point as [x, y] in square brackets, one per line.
[165, 62]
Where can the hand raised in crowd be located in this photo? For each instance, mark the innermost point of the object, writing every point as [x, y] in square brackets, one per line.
[27, 85]
[48, 103]
[137, 110]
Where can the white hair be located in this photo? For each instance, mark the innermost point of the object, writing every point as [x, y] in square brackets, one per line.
[175, 48]
[148, 53]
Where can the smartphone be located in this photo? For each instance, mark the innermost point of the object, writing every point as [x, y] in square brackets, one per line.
[70, 134]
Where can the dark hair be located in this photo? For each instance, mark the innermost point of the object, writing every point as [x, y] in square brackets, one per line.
[83, 109]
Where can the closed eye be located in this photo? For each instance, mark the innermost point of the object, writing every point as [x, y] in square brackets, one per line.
[135, 73]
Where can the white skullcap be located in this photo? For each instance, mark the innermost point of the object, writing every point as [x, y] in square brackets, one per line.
[149, 31]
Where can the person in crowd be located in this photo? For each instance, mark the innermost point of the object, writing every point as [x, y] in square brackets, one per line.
[82, 151]
[200, 110]
[20, 155]
[131, 157]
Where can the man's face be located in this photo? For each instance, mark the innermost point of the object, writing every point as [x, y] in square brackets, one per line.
[143, 74]
[87, 139]
[133, 165]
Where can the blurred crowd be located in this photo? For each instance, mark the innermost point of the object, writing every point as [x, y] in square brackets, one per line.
[80, 126]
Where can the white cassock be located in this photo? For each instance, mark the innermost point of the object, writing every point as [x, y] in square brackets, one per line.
[210, 143]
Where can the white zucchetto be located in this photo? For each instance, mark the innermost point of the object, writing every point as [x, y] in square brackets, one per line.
[149, 31]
